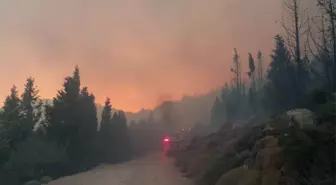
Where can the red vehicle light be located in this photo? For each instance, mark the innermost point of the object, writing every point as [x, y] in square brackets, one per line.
[166, 139]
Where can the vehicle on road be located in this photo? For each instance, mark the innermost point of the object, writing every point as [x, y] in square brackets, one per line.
[175, 142]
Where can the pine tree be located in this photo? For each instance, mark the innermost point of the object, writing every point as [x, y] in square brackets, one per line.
[252, 89]
[124, 142]
[11, 108]
[251, 66]
[62, 120]
[87, 129]
[73, 121]
[29, 104]
[72, 86]
[280, 88]
[106, 135]
[106, 115]
[88, 112]
[260, 69]
[12, 120]
[236, 70]
[121, 136]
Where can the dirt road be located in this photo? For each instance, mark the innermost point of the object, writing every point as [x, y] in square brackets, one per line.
[155, 169]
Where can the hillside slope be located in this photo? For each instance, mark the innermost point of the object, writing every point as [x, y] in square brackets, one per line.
[261, 153]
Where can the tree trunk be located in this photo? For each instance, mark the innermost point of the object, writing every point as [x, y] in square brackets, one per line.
[333, 37]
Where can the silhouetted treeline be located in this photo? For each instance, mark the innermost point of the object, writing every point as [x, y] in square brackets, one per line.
[38, 139]
[279, 90]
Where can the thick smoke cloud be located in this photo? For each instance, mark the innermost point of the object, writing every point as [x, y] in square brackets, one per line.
[131, 50]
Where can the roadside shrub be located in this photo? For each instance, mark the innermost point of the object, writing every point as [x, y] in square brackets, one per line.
[31, 160]
[220, 167]
[309, 156]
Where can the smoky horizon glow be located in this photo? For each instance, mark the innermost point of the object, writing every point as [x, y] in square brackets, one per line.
[134, 51]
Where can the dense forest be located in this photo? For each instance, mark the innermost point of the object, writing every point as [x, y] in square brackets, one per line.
[38, 139]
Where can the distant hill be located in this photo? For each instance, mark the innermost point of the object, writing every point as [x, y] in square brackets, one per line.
[142, 114]
[185, 112]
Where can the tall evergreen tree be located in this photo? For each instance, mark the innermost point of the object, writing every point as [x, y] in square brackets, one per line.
[10, 135]
[251, 66]
[11, 108]
[280, 88]
[121, 136]
[88, 112]
[12, 120]
[252, 89]
[260, 72]
[86, 138]
[73, 121]
[124, 142]
[236, 70]
[29, 104]
[106, 135]
[106, 115]
[61, 114]
[72, 87]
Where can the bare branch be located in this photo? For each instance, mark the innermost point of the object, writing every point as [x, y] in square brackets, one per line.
[290, 46]
[305, 31]
[289, 6]
[318, 46]
[289, 32]
[312, 52]
[302, 23]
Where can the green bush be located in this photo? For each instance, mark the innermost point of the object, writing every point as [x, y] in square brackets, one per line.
[31, 160]
[309, 155]
[220, 167]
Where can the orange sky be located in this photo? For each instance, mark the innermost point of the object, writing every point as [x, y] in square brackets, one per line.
[134, 51]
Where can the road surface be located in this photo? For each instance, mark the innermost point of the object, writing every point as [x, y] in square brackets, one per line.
[154, 169]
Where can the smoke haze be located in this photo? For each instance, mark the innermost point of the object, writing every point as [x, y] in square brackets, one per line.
[134, 51]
